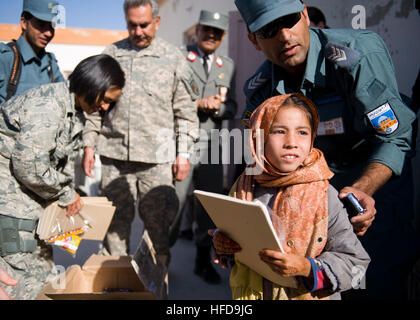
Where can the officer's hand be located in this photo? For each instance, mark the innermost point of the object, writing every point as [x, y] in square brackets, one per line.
[74, 207]
[209, 104]
[214, 103]
[361, 222]
[180, 168]
[6, 279]
[88, 161]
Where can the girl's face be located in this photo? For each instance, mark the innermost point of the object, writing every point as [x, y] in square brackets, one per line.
[289, 141]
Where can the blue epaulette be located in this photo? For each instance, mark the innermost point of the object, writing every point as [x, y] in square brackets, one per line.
[342, 56]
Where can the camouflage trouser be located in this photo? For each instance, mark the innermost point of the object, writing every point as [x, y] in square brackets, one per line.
[31, 270]
[122, 182]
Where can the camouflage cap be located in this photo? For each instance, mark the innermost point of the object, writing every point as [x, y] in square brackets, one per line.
[214, 19]
[45, 10]
[258, 13]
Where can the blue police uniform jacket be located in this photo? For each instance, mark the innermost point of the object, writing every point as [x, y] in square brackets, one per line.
[35, 70]
[350, 77]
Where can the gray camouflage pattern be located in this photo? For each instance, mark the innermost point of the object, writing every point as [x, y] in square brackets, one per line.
[156, 117]
[39, 139]
[31, 270]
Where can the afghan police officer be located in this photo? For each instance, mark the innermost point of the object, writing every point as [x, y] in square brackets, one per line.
[24, 64]
[215, 77]
[146, 144]
[40, 134]
[365, 130]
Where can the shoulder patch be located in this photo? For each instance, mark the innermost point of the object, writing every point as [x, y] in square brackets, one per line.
[192, 56]
[256, 81]
[342, 56]
[383, 119]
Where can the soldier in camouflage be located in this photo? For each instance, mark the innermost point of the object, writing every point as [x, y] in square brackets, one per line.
[40, 135]
[146, 144]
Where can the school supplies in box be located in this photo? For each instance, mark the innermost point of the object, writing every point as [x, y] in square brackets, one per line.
[249, 224]
[94, 218]
[69, 241]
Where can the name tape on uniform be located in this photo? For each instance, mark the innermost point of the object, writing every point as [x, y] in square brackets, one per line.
[330, 127]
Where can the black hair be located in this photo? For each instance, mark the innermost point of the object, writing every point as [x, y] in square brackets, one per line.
[316, 15]
[93, 76]
[26, 15]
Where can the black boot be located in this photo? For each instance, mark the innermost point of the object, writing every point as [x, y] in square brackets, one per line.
[203, 266]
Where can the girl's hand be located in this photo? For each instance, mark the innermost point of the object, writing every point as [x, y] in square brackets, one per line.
[223, 244]
[286, 264]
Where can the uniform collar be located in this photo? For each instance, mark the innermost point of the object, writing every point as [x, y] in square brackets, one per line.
[202, 54]
[27, 52]
[315, 63]
[151, 50]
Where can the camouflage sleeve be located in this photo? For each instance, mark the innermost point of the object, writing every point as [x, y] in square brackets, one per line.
[36, 142]
[91, 130]
[185, 111]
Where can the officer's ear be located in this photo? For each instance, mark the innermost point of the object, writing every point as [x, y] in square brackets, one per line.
[157, 21]
[306, 15]
[253, 39]
[23, 24]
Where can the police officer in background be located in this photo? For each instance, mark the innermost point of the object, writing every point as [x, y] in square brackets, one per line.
[365, 130]
[215, 78]
[26, 58]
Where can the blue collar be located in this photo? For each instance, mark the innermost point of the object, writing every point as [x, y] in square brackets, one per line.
[315, 63]
[27, 52]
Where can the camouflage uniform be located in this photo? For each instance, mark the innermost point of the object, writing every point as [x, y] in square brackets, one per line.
[39, 138]
[154, 120]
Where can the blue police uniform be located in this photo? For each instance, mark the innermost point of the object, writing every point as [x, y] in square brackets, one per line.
[36, 70]
[350, 77]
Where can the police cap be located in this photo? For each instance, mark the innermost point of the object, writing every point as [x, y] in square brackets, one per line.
[214, 19]
[258, 13]
[45, 10]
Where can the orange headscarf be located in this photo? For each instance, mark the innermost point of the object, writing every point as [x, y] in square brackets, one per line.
[301, 203]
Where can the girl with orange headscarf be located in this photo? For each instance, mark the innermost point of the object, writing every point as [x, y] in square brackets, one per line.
[292, 180]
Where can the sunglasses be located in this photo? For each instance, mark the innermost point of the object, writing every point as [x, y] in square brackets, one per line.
[270, 30]
[215, 31]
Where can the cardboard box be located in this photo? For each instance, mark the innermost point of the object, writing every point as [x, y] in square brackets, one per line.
[97, 274]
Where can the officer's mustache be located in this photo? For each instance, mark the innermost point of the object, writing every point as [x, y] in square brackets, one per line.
[140, 38]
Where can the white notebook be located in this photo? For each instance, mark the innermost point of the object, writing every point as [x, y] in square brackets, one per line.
[249, 224]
